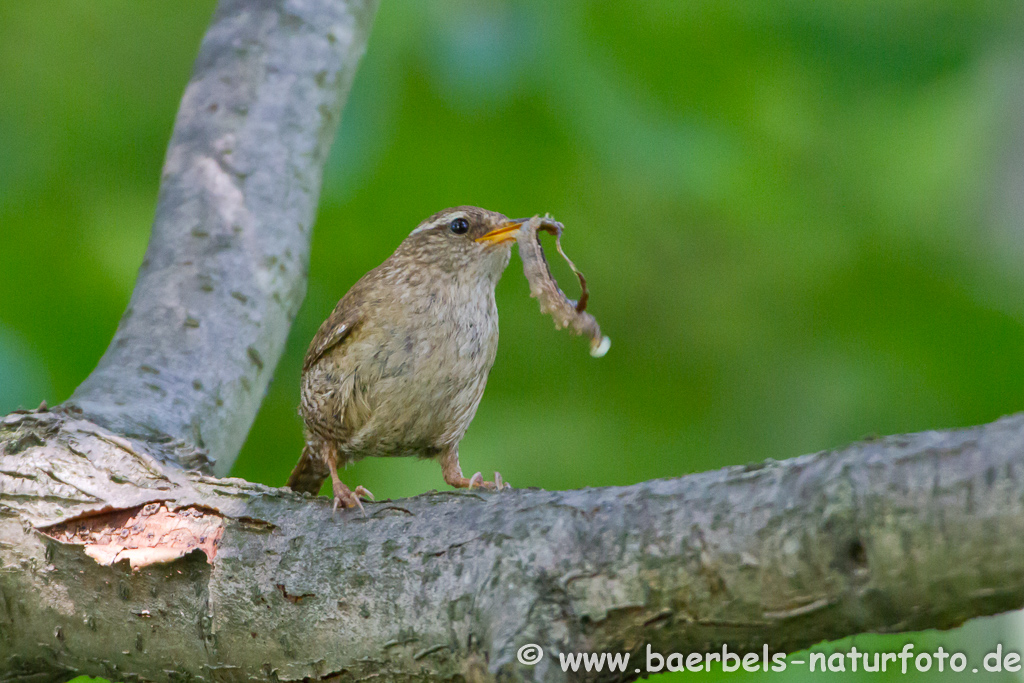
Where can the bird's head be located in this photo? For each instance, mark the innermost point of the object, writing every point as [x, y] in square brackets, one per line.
[465, 240]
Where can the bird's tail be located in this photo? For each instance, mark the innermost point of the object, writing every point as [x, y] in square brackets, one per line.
[309, 473]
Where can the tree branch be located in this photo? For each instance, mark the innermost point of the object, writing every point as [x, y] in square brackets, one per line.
[225, 270]
[782, 553]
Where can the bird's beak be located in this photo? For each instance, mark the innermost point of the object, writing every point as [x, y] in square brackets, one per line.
[506, 232]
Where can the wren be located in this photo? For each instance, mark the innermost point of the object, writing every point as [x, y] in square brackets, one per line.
[400, 365]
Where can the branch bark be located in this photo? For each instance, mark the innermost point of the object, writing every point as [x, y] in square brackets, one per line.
[451, 584]
[121, 557]
[225, 270]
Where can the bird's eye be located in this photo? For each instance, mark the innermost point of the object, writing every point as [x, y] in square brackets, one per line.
[460, 226]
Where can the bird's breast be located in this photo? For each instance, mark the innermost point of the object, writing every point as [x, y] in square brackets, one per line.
[459, 328]
[411, 376]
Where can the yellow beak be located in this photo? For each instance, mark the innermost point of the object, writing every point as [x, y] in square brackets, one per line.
[507, 232]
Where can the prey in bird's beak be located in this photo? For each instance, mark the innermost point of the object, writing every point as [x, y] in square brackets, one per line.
[506, 232]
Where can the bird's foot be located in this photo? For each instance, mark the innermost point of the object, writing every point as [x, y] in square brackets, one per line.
[345, 497]
[453, 475]
[477, 481]
[351, 499]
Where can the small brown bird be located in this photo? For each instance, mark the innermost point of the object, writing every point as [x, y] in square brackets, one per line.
[399, 367]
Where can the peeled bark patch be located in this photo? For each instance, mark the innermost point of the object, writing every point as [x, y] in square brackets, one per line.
[144, 535]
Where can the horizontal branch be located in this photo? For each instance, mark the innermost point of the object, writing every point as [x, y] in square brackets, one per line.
[272, 586]
[225, 270]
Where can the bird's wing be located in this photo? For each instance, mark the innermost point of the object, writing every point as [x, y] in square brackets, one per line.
[334, 331]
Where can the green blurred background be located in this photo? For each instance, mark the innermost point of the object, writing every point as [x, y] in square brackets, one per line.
[793, 215]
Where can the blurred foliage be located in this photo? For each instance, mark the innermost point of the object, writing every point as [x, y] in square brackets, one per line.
[783, 209]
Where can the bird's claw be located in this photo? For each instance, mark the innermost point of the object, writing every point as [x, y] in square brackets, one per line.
[477, 480]
[349, 501]
[352, 499]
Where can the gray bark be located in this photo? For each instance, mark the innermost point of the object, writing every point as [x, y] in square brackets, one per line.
[897, 534]
[225, 270]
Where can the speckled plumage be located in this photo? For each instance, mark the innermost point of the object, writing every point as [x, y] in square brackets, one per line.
[400, 365]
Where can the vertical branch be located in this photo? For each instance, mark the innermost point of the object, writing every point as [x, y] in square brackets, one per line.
[225, 270]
